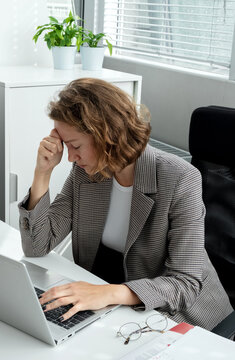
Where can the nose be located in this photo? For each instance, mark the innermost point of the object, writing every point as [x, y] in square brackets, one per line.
[72, 155]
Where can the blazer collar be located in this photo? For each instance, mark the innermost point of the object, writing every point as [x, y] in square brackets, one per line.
[145, 172]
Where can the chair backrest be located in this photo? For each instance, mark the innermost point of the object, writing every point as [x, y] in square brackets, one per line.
[212, 146]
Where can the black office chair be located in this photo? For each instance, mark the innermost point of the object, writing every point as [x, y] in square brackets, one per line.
[212, 146]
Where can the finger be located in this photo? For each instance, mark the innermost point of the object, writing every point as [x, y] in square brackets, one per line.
[54, 133]
[45, 152]
[52, 144]
[57, 303]
[76, 308]
[55, 293]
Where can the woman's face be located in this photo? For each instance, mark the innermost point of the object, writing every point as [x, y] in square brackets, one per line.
[81, 147]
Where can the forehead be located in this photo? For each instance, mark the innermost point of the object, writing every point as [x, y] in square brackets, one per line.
[67, 132]
[70, 134]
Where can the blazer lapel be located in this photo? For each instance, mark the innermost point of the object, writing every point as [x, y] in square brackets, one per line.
[93, 208]
[140, 209]
[145, 183]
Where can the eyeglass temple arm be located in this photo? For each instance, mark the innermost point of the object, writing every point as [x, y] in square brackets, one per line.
[127, 340]
[132, 333]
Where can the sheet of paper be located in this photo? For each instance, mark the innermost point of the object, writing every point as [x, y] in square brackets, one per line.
[152, 349]
[200, 344]
[194, 344]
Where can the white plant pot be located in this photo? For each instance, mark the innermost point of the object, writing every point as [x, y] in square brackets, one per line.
[63, 57]
[92, 58]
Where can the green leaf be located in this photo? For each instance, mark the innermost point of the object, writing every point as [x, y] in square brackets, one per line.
[86, 41]
[49, 44]
[53, 20]
[110, 47]
[41, 26]
[99, 36]
[69, 19]
[79, 41]
[59, 33]
[38, 33]
[90, 34]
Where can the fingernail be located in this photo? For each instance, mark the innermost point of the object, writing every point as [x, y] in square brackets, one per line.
[61, 318]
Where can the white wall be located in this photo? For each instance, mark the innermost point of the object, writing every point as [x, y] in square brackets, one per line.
[19, 19]
[172, 95]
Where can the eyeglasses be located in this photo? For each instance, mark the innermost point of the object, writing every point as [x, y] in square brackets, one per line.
[133, 331]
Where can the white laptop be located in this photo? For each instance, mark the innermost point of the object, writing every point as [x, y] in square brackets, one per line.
[19, 305]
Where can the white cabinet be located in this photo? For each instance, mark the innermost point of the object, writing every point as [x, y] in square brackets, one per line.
[24, 95]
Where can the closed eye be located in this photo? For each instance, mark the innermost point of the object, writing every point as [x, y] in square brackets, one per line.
[68, 144]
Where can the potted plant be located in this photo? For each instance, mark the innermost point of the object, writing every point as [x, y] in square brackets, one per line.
[92, 54]
[61, 38]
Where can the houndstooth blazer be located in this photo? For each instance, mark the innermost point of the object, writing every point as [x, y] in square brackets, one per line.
[165, 261]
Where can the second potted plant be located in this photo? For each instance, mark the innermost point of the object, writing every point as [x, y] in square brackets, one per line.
[91, 50]
[61, 38]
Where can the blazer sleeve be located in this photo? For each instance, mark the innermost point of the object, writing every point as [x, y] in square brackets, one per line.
[45, 226]
[180, 284]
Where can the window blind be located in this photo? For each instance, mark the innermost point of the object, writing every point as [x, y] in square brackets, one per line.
[195, 31]
[59, 8]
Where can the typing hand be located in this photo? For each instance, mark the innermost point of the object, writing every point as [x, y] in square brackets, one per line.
[82, 295]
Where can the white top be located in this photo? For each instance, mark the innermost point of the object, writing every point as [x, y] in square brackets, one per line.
[117, 222]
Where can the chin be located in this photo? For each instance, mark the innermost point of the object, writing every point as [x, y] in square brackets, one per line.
[87, 171]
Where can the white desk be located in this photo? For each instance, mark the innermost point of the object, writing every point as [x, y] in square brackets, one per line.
[97, 341]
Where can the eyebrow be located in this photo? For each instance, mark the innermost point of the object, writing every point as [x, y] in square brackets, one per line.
[69, 141]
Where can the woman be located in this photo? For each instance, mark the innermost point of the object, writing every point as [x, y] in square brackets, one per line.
[135, 212]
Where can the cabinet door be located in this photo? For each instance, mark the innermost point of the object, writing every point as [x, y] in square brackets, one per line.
[26, 125]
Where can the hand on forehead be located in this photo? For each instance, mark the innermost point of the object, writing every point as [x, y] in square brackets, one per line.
[65, 132]
[54, 133]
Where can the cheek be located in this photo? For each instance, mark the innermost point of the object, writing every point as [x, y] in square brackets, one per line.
[93, 155]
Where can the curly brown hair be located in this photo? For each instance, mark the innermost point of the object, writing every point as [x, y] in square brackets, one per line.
[96, 107]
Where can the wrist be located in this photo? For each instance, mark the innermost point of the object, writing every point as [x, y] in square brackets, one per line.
[39, 187]
[121, 294]
[42, 175]
[41, 182]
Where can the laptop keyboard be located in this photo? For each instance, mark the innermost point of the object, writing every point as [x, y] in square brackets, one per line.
[53, 315]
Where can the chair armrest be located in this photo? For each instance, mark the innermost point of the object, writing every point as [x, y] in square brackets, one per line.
[226, 327]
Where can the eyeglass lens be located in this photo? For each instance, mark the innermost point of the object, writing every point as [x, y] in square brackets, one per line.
[131, 330]
[156, 322]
